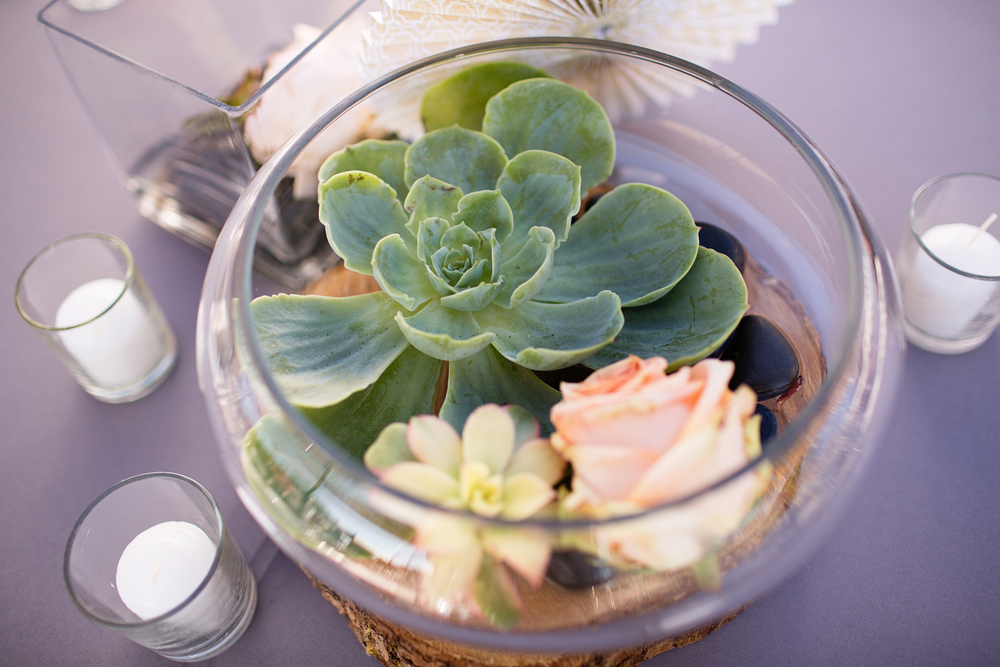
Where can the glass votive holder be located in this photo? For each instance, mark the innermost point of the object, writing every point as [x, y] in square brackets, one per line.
[152, 560]
[84, 296]
[949, 263]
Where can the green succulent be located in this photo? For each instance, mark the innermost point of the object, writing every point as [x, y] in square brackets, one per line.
[469, 234]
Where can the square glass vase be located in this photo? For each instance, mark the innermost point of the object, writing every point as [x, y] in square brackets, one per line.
[168, 86]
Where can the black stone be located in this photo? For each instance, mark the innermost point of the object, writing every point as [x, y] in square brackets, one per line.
[575, 569]
[764, 357]
[715, 238]
[577, 373]
[768, 423]
[719, 351]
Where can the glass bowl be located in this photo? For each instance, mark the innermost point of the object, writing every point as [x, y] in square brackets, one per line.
[817, 269]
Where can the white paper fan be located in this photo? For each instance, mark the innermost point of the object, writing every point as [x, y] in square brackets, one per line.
[701, 31]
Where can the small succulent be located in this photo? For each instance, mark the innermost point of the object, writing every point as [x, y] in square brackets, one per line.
[498, 468]
[468, 233]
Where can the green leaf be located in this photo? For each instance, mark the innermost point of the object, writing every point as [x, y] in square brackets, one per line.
[359, 210]
[548, 336]
[525, 273]
[687, 324]
[322, 349]
[380, 157]
[496, 593]
[468, 160]
[550, 115]
[638, 241]
[431, 198]
[407, 387]
[484, 210]
[487, 377]
[283, 461]
[472, 299]
[543, 190]
[389, 448]
[429, 234]
[444, 333]
[401, 275]
[461, 98]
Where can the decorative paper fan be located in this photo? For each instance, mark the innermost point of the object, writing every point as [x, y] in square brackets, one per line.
[700, 31]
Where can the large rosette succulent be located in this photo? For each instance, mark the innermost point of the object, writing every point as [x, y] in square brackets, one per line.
[469, 234]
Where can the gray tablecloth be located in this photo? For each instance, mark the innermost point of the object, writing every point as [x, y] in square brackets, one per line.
[896, 92]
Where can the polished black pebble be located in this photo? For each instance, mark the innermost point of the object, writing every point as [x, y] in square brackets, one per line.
[764, 357]
[719, 351]
[768, 423]
[577, 373]
[575, 569]
[714, 238]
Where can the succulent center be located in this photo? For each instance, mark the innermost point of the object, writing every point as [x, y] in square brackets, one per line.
[481, 491]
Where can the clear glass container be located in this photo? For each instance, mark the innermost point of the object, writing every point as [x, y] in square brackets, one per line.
[152, 560]
[817, 268]
[168, 87]
[949, 263]
[84, 296]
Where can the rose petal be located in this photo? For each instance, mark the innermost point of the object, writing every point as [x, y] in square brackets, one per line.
[610, 472]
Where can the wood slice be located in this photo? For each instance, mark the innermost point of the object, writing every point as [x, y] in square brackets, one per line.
[396, 646]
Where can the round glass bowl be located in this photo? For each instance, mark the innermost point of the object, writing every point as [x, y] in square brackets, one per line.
[816, 269]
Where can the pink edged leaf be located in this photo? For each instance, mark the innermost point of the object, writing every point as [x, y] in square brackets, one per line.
[537, 456]
[524, 494]
[524, 551]
[433, 441]
[421, 481]
[488, 436]
[388, 449]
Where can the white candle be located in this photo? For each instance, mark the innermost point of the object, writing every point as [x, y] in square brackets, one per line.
[162, 567]
[120, 346]
[940, 302]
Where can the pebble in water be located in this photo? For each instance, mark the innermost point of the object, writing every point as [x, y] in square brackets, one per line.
[764, 357]
[575, 569]
[715, 238]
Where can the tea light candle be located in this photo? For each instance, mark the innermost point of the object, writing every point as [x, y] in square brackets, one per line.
[939, 301]
[162, 567]
[118, 347]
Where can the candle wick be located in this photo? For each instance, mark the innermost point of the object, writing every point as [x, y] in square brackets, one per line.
[156, 571]
[982, 228]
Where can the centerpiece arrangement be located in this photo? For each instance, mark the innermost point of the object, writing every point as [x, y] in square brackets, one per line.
[536, 434]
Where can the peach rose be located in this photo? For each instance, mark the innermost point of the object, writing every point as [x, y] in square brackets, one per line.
[638, 438]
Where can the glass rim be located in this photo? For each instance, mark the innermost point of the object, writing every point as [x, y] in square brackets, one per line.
[110, 238]
[916, 235]
[216, 559]
[228, 109]
[852, 223]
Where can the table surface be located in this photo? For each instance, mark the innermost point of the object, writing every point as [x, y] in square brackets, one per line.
[896, 92]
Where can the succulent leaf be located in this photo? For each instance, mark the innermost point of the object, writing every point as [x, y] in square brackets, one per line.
[390, 447]
[548, 336]
[430, 198]
[485, 210]
[359, 210]
[488, 436]
[689, 322]
[401, 275]
[321, 349]
[383, 158]
[543, 190]
[422, 481]
[407, 387]
[474, 298]
[525, 273]
[469, 160]
[487, 377]
[638, 241]
[461, 98]
[496, 593]
[433, 441]
[550, 115]
[443, 333]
